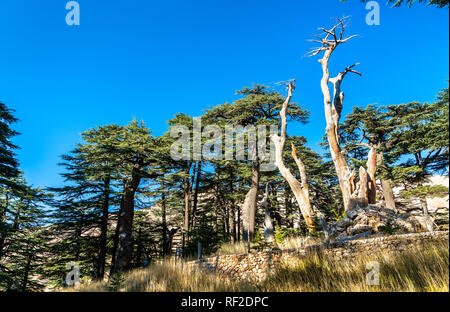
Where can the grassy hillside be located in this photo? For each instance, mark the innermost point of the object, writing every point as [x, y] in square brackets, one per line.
[420, 269]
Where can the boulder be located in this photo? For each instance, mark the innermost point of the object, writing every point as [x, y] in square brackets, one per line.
[352, 213]
[343, 223]
[363, 221]
[360, 228]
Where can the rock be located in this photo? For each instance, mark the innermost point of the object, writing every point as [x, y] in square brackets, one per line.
[359, 228]
[362, 235]
[374, 208]
[374, 224]
[352, 213]
[361, 219]
[369, 219]
[343, 223]
[343, 236]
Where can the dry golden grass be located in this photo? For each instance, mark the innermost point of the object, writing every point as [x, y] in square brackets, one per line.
[242, 247]
[298, 242]
[171, 277]
[417, 270]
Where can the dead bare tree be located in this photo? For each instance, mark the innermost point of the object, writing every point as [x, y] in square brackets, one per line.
[268, 225]
[331, 39]
[300, 189]
[375, 159]
[371, 164]
[249, 206]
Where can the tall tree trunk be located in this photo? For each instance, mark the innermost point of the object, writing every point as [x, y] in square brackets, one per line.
[78, 237]
[125, 228]
[268, 226]
[344, 174]
[227, 220]
[163, 216]
[124, 237]
[287, 206]
[169, 241]
[333, 109]
[103, 230]
[139, 247]
[363, 192]
[300, 190]
[233, 222]
[386, 186]
[115, 244]
[232, 208]
[238, 223]
[17, 216]
[371, 181]
[426, 215]
[249, 207]
[196, 191]
[428, 221]
[3, 225]
[388, 195]
[187, 203]
[3, 210]
[26, 273]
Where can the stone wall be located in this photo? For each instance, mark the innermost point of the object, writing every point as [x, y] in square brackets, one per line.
[255, 266]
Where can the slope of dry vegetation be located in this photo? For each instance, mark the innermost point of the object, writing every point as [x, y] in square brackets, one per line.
[416, 270]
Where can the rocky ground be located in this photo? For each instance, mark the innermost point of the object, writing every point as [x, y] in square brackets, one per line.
[372, 220]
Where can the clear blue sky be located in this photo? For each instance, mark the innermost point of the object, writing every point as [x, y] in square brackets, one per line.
[153, 59]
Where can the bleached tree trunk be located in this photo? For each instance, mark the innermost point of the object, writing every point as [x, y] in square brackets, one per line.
[371, 181]
[423, 203]
[363, 200]
[375, 159]
[322, 223]
[388, 194]
[428, 221]
[386, 186]
[300, 189]
[333, 109]
[249, 206]
[268, 226]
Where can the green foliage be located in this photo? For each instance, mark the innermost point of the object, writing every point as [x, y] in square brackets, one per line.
[117, 169]
[425, 191]
[402, 174]
[280, 235]
[294, 232]
[210, 238]
[338, 214]
[9, 165]
[389, 228]
[419, 136]
[22, 242]
[259, 237]
[260, 243]
[411, 140]
[397, 3]
[259, 105]
[116, 281]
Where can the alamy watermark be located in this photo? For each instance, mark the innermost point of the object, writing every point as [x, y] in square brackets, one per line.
[373, 276]
[73, 16]
[373, 17]
[213, 142]
[73, 276]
